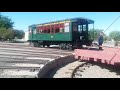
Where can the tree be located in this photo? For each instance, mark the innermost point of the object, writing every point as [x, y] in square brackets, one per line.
[5, 22]
[94, 34]
[6, 29]
[2, 31]
[115, 35]
[19, 34]
[10, 34]
[106, 38]
[6, 34]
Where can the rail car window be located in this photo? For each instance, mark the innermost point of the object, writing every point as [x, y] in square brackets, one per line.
[37, 30]
[41, 31]
[44, 29]
[79, 28]
[57, 30]
[34, 31]
[30, 30]
[52, 29]
[62, 30]
[75, 27]
[66, 27]
[48, 30]
[84, 27]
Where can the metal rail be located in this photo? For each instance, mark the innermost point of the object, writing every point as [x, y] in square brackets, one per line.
[74, 71]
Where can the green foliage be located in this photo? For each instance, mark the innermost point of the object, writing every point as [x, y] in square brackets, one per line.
[10, 34]
[115, 35]
[94, 34]
[19, 34]
[6, 34]
[107, 38]
[5, 22]
[6, 30]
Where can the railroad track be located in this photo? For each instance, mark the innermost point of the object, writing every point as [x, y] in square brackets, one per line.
[22, 61]
[84, 69]
[66, 71]
[76, 73]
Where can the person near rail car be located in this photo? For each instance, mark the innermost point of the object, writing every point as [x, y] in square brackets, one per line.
[100, 41]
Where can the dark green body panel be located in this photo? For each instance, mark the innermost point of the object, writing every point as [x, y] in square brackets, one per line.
[51, 37]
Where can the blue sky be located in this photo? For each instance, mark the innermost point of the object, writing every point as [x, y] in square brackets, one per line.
[102, 19]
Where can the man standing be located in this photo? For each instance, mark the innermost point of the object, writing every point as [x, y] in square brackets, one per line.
[100, 41]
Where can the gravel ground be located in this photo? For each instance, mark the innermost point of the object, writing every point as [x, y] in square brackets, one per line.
[98, 72]
[14, 57]
[95, 71]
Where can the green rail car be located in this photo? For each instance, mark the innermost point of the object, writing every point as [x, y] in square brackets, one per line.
[66, 33]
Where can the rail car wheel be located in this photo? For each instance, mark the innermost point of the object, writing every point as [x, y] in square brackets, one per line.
[48, 45]
[36, 44]
[63, 46]
[80, 47]
[39, 45]
[69, 47]
[60, 46]
[43, 45]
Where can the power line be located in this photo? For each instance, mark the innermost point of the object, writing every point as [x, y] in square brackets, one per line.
[112, 24]
[107, 28]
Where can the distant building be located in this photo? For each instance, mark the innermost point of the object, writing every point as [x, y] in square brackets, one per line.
[26, 36]
[112, 40]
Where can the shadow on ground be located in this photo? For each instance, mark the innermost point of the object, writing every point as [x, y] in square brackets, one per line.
[111, 68]
[52, 72]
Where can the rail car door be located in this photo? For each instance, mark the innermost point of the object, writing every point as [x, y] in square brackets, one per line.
[75, 34]
[83, 32]
[80, 32]
[34, 34]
